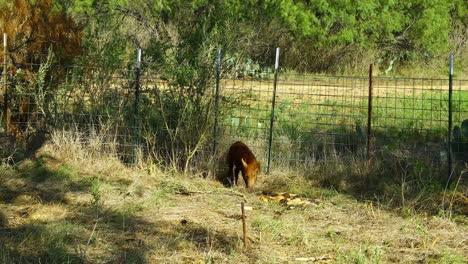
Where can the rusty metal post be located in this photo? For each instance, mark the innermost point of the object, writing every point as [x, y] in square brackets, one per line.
[369, 118]
[244, 228]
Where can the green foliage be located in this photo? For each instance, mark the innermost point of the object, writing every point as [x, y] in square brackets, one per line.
[181, 36]
[369, 254]
[49, 242]
[448, 256]
[268, 226]
[398, 30]
[430, 22]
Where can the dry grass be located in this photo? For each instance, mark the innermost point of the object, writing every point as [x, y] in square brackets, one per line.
[73, 204]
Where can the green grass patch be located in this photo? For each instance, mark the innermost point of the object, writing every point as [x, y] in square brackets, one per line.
[46, 243]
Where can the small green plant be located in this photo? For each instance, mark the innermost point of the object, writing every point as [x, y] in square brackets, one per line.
[449, 257]
[362, 255]
[267, 226]
[44, 242]
[65, 172]
[158, 196]
[96, 191]
[452, 190]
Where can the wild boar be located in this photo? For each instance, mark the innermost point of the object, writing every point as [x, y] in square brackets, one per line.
[242, 158]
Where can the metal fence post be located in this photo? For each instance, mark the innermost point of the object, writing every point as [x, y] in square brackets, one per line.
[6, 115]
[449, 147]
[369, 118]
[215, 128]
[275, 83]
[137, 106]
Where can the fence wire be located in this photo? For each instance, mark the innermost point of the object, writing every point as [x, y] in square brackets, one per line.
[45, 94]
[321, 119]
[317, 119]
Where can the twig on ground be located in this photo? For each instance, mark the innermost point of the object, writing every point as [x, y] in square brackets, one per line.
[228, 191]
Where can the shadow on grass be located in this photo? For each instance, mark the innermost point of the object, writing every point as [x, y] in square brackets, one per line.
[120, 235]
[133, 238]
[14, 150]
[37, 181]
[24, 189]
[38, 243]
[221, 171]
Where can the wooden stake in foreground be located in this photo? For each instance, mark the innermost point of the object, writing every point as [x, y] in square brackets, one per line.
[244, 228]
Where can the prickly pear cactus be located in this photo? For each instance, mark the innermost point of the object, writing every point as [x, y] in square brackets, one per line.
[460, 141]
[464, 129]
[457, 137]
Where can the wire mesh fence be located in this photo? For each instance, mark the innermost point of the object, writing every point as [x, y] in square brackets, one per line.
[245, 112]
[44, 94]
[175, 124]
[330, 119]
[289, 120]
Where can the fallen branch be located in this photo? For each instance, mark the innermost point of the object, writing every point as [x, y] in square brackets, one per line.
[314, 259]
[184, 191]
[85, 249]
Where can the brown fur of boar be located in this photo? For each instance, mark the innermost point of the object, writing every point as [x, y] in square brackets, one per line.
[242, 158]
